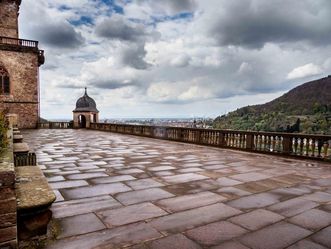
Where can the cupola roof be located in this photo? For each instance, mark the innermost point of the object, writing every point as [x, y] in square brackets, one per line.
[86, 104]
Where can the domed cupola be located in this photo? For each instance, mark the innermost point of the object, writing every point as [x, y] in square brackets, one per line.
[86, 112]
[86, 104]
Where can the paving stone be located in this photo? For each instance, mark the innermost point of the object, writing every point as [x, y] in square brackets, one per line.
[318, 197]
[86, 176]
[138, 196]
[277, 236]
[190, 201]
[232, 192]
[230, 245]
[55, 178]
[130, 171]
[250, 177]
[80, 224]
[189, 170]
[291, 191]
[256, 219]
[58, 195]
[291, 179]
[109, 239]
[110, 179]
[144, 183]
[181, 178]
[130, 214]
[313, 219]
[68, 184]
[64, 173]
[82, 206]
[185, 220]
[323, 237]
[215, 233]
[163, 173]
[161, 168]
[254, 201]
[90, 191]
[322, 182]
[177, 241]
[306, 244]
[292, 207]
[225, 181]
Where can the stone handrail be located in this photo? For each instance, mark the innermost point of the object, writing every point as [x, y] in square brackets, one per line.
[287, 144]
[55, 125]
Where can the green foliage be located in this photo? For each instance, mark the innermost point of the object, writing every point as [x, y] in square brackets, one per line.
[3, 131]
[310, 102]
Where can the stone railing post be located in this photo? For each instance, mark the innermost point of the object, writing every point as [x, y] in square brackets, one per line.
[287, 145]
[250, 142]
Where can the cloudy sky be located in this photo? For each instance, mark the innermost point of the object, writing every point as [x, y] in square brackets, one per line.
[175, 58]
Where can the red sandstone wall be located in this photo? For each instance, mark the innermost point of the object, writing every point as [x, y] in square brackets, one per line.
[23, 99]
[8, 18]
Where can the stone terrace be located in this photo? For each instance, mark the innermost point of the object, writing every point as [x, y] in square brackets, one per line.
[117, 191]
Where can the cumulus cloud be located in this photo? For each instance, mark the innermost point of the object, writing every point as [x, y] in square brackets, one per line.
[182, 60]
[133, 36]
[304, 71]
[117, 27]
[59, 35]
[253, 23]
[146, 8]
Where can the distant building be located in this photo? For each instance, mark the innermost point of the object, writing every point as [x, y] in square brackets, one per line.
[19, 69]
[86, 112]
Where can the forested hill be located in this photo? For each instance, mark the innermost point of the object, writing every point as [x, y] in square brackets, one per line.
[309, 102]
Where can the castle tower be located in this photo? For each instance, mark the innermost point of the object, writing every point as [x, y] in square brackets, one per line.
[86, 112]
[19, 69]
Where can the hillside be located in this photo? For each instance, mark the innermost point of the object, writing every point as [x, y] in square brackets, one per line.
[309, 102]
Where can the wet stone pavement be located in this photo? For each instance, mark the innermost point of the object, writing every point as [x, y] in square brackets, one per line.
[117, 191]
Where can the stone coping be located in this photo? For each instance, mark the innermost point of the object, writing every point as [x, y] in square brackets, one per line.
[32, 189]
[21, 148]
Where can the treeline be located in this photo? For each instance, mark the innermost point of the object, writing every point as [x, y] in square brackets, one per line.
[319, 123]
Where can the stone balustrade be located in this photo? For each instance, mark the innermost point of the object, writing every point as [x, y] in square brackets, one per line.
[55, 125]
[18, 42]
[286, 144]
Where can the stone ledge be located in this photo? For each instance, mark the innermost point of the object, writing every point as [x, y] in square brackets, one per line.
[34, 197]
[32, 189]
[21, 148]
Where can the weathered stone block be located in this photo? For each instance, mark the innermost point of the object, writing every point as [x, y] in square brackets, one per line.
[7, 220]
[7, 234]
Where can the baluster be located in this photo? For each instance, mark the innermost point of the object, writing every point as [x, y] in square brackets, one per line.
[313, 147]
[258, 141]
[273, 144]
[325, 148]
[269, 143]
[307, 146]
[320, 144]
[301, 146]
[295, 145]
